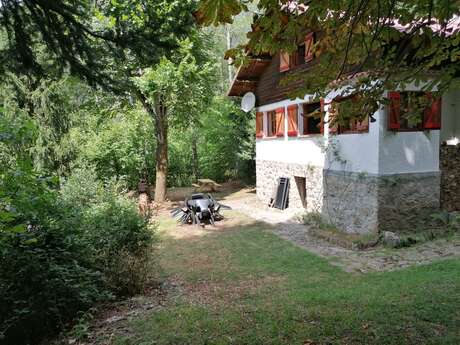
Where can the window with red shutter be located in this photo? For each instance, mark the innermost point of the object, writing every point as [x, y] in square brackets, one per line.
[309, 41]
[292, 120]
[432, 118]
[413, 111]
[259, 125]
[280, 122]
[284, 62]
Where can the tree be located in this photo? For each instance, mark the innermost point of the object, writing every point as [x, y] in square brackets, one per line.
[173, 93]
[103, 42]
[382, 43]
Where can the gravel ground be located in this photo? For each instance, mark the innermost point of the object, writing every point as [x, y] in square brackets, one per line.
[286, 224]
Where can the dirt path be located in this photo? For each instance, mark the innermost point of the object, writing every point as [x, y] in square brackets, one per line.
[287, 226]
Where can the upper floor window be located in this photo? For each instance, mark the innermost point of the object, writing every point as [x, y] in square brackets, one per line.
[413, 111]
[303, 54]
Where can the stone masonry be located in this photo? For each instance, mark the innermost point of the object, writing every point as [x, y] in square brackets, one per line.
[268, 172]
[356, 203]
[449, 161]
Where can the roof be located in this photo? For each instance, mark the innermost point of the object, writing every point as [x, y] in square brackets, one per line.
[248, 75]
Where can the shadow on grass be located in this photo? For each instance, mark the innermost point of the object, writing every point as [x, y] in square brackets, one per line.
[241, 284]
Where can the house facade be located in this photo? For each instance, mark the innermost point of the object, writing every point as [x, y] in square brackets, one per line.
[382, 173]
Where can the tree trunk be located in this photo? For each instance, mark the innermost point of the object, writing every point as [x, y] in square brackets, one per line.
[160, 117]
[228, 35]
[195, 165]
[161, 131]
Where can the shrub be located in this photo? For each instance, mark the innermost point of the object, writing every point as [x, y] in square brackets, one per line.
[62, 252]
[109, 223]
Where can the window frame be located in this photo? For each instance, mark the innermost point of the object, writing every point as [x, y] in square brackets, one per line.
[339, 128]
[394, 109]
[304, 117]
[271, 124]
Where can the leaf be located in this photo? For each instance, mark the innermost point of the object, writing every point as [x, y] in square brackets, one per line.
[21, 228]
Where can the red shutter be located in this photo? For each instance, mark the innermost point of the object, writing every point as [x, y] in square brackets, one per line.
[280, 122]
[292, 120]
[432, 118]
[394, 110]
[259, 125]
[284, 62]
[309, 41]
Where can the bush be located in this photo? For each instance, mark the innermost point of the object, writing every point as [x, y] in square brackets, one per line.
[110, 224]
[62, 252]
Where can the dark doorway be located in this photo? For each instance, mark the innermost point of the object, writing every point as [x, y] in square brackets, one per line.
[302, 189]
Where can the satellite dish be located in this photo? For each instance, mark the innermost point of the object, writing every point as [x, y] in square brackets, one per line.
[248, 102]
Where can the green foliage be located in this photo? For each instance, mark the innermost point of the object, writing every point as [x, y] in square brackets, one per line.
[61, 251]
[356, 38]
[109, 223]
[102, 42]
[121, 146]
[180, 85]
[223, 136]
[227, 147]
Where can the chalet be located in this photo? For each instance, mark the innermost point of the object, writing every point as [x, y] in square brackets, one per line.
[364, 177]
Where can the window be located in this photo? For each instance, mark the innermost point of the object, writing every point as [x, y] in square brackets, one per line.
[413, 111]
[351, 107]
[271, 128]
[284, 61]
[303, 54]
[275, 123]
[312, 118]
[259, 125]
[292, 120]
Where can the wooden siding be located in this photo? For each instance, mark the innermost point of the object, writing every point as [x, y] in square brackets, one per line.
[269, 89]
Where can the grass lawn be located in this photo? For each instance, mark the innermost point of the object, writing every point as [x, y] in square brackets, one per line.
[243, 285]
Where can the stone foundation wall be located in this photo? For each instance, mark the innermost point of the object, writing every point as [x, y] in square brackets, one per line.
[357, 203]
[407, 201]
[351, 201]
[268, 172]
[449, 162]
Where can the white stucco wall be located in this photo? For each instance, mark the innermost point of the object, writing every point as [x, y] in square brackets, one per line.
[408, 152]
[450, 116]
[378, 152]
[353, 152]
[301, 150]
[308, 150]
